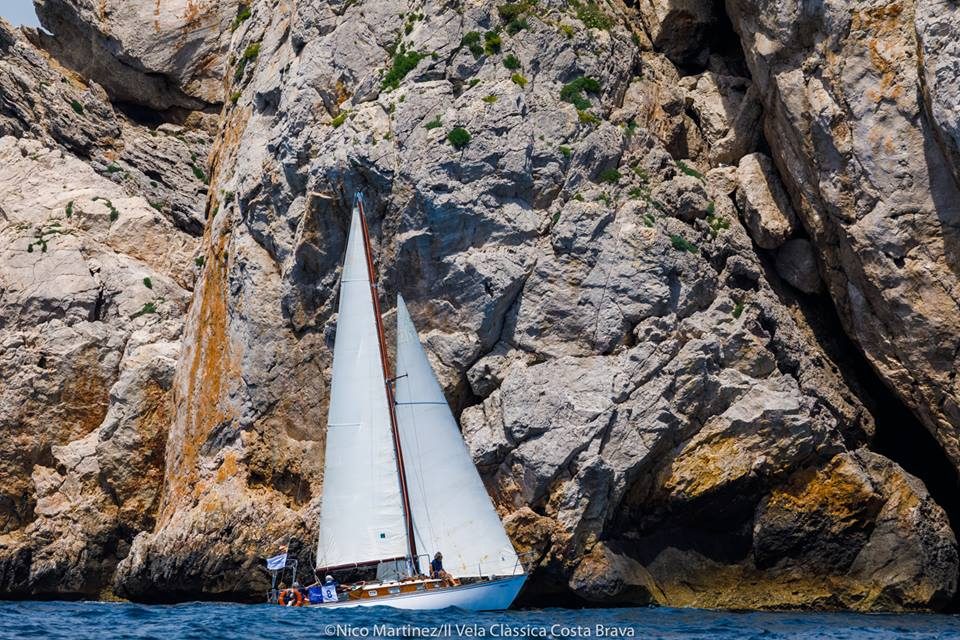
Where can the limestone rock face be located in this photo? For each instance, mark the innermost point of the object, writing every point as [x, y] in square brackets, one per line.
[657, 416]
[42, 103]
[156, 54]
[91, 309]
[166, 165]
[594, 307]
[94, 282]
[862, 124]
[834, 523]
[937, 29]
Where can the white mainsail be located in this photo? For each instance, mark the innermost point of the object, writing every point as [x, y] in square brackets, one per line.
[452, 512]
[361, 517]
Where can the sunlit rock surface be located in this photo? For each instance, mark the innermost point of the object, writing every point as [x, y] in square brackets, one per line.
[616, 286]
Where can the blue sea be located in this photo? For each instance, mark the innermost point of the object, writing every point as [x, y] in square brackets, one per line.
[206, 621]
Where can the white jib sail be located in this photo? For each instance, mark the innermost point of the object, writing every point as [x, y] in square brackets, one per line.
[361, 516]
[452, 512]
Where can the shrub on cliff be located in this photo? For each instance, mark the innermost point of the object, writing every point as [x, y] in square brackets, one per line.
[458, 137]
[403, 63]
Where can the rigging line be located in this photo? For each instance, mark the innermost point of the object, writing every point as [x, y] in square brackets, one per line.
[407, 404]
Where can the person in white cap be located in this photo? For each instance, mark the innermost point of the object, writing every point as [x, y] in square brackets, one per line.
[330, 589]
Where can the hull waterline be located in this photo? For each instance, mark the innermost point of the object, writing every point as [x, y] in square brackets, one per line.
[495, 595]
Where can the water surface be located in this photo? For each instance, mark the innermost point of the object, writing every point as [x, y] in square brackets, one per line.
[207, 621]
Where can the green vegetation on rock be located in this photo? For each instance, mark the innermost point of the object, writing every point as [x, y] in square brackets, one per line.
[148, 307]
[403, 63]
[573, 91]
[717, 223]
[491, 42]
[512, 10]
[517, 25]
[459, 137]
[591, 15]
[610, 176]
[340, 119]
[114, 214]
[690, 171]
[199, 174]
[249, 55]
[586, 117]
[682, 244]
[242, 16]
[251, 52]
[471, 40]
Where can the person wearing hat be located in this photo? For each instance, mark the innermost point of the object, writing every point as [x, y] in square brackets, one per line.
[329, 589]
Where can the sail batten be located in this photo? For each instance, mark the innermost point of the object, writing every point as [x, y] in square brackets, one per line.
[452, 512]
[361, 515]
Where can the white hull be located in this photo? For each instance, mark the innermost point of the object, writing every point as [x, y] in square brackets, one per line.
[495, 595]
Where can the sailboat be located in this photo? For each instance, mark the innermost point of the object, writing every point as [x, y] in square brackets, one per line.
[399, 482]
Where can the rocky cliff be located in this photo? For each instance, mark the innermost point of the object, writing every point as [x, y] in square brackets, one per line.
[676, 264]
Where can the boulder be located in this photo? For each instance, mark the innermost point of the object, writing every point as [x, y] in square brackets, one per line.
[727, 110]
[656, 101]
[763, 203]
[606, 577]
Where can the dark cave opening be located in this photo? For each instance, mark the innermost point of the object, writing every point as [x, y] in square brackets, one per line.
[140, 114]
[152, 118]
[899, 434]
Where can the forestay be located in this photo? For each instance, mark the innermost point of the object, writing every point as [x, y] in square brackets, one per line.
[361, 517]
[452, 512]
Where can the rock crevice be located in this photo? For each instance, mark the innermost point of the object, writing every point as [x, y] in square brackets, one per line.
[614, 241]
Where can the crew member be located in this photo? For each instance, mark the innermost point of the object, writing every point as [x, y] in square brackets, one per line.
[329, 589]
[436, 571]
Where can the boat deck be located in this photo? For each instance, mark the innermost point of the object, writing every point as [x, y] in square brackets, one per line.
[393, 588]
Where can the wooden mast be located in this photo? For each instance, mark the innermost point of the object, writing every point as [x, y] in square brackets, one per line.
[388, 379]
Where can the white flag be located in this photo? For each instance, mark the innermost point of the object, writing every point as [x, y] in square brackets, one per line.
[329, 592]
[277, 562]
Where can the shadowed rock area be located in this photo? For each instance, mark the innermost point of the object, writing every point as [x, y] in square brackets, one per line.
[616, 274]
